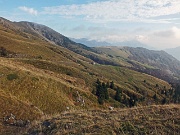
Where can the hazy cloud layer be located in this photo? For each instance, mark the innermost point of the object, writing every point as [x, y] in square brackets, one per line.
[174, 32]
[164, 39]
[159, 39]
[112, 10]
[29, 10]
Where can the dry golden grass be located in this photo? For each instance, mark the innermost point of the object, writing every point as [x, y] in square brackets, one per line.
[42, 78]
[140, 120]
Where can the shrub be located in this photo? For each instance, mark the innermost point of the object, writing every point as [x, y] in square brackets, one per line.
[69, 73]
[12, 77]
[3, 52]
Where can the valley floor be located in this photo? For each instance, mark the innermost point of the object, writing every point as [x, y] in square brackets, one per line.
[156, 120]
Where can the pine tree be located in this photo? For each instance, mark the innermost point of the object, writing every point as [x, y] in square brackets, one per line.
[98, 81]
[100, 100]
[132, 102]
[176, 96]
[155, 97]
[164, 101]
[118, 94]
[101, 91]
[112, 85]
[98, 89]
[105, 90]
[107, 85]
[125, 101]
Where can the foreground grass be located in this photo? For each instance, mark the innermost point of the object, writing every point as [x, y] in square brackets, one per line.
[142, 120]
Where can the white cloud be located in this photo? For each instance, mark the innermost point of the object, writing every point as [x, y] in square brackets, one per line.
[114, 10]
[142, 38]
[169, 38]
[157, 39]
[29, 10]
[176, 32]
[112, 38]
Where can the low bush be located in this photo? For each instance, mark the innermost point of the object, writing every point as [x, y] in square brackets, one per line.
[11, 77]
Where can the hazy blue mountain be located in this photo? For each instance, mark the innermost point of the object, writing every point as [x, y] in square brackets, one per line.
[174, 52]
[94, 43]
[91, 43]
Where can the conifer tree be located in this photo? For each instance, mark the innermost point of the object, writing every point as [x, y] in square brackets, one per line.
[132, 102]
[125, 101]
[112, 85]
[105, 91]
[98, 88]
[176, 96]
[101, 91]
[107, 85]
[118, 94]
[164, 101]
[155, 97]
[98, 81]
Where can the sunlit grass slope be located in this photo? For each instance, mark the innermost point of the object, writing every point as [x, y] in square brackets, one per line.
[39, 78]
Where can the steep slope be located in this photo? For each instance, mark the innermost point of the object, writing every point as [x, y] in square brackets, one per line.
[31, 87]
[45, 79]
[165, 64]
[72, 69]
[139, 57]
[174, 52]
[52, 36]
[156, 63]
[34, 51]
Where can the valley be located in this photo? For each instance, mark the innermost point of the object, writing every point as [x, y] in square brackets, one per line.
[44, 76]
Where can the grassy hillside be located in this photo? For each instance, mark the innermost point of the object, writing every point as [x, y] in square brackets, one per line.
[156, 63]
[39, 78]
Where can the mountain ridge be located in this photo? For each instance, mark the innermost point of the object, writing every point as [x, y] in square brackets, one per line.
[144, 60]
[95, 54]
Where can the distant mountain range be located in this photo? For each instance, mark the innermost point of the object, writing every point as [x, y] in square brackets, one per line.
[174, 52]
[94, 43]
[91, 43]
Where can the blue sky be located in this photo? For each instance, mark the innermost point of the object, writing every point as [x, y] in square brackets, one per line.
[152, 22]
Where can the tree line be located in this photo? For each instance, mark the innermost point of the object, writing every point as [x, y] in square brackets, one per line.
[103, 95]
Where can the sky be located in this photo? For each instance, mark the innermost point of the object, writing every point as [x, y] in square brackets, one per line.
[155, 23]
